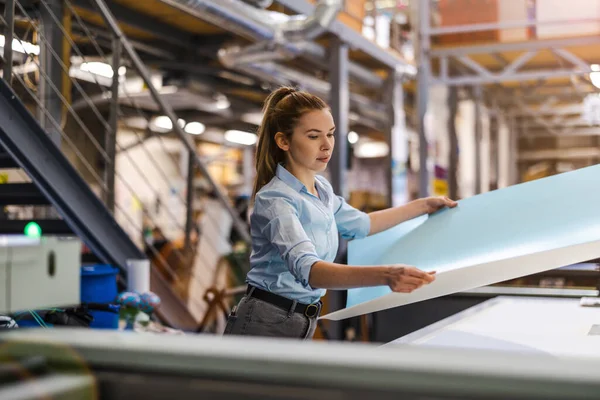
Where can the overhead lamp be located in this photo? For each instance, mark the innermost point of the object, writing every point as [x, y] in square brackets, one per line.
[595, 75]
[21, 46]
[241, 137]
[372, 150]
[352, 137]
[195, 128]
[222, 102]
[163, 123]
[102, 69]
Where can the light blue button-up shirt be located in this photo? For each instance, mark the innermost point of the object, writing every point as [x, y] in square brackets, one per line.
[292, 229]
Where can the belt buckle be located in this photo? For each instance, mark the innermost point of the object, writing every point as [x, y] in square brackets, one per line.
[308, 311]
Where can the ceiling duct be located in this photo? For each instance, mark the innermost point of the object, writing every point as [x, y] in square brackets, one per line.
[260, 3]
[279, 36]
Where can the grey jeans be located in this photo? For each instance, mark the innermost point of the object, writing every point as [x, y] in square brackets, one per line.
[254, 317]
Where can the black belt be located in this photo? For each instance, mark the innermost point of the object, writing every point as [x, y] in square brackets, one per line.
[309, 310]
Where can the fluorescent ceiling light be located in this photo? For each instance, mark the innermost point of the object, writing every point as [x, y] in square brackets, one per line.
[241, 137]
[352, 137]
[595, 75]
[21, 46]
[195, 128]
[254, 118]
[163, 123]
[100, 68]
[371, 150]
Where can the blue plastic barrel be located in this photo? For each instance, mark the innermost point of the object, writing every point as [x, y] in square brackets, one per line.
[99, 285]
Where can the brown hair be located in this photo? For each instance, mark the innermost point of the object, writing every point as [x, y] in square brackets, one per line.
[282, 109]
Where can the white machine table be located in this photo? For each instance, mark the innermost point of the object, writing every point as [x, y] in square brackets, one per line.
[554, 326]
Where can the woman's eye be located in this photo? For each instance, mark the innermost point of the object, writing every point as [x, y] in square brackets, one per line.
[313, 137]
[330, 135]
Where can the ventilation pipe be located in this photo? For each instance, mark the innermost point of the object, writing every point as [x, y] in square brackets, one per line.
[284, 36]
[260, 3]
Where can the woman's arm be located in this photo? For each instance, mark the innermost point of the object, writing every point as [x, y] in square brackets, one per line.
[388, 218]
[400, 278]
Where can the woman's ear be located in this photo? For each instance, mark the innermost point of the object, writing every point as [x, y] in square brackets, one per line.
[282, 141]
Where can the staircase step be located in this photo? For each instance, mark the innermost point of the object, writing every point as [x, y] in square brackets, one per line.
[22, 194]
[48, 226]
[6, 161]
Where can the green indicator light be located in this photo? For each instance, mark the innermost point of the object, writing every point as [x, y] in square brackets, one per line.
[33, 230]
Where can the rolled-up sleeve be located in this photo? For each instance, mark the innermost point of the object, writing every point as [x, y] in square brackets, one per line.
[351, 223]
[281, 226]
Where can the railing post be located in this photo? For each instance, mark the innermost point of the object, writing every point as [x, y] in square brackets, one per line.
[9, 18]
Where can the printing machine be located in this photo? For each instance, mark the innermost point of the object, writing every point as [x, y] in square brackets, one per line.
[452, 359]
[87, 364]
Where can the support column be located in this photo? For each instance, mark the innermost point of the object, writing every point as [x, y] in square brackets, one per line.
[50, 65]
[494, 149]
[453, 154]
[514, 151]
[111, 134]
[423, 81]
[398, 141]
[9, 17]
[477, 98]
[189, 215]
[340, 108]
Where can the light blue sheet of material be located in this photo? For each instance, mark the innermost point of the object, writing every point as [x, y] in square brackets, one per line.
[513, 232]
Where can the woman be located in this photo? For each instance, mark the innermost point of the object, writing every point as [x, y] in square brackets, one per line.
[296, 220]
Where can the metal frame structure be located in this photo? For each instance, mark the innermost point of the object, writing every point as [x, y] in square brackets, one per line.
[458, 68]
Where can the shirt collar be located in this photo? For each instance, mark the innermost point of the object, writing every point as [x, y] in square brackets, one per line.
[287, 177]
[293, 182]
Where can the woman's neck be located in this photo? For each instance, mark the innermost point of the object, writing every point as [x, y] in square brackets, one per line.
[307, 177]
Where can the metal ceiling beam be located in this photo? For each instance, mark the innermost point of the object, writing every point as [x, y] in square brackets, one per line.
[542, 132]
[349, 35]
[514, 77]
[143, 22]
[556, 110]
[519, 46]
[574, 122]
[104, 38]
[559, 154]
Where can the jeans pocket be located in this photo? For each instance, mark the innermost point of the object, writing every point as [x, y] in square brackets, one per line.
[231, 320]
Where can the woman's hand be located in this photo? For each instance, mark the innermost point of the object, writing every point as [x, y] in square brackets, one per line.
[433, 204]
[405, 279]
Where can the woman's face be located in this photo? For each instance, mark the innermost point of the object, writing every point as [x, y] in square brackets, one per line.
[312, 141]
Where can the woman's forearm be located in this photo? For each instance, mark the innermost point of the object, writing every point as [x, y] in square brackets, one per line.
[388, 218]
[326, 275]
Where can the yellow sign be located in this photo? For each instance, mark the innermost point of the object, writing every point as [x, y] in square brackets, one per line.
[3, 178]
[440, 187]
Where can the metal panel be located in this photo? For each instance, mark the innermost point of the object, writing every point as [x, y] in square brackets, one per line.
[38, 155]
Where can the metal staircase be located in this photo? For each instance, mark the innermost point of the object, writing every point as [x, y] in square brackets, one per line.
[61, 171]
